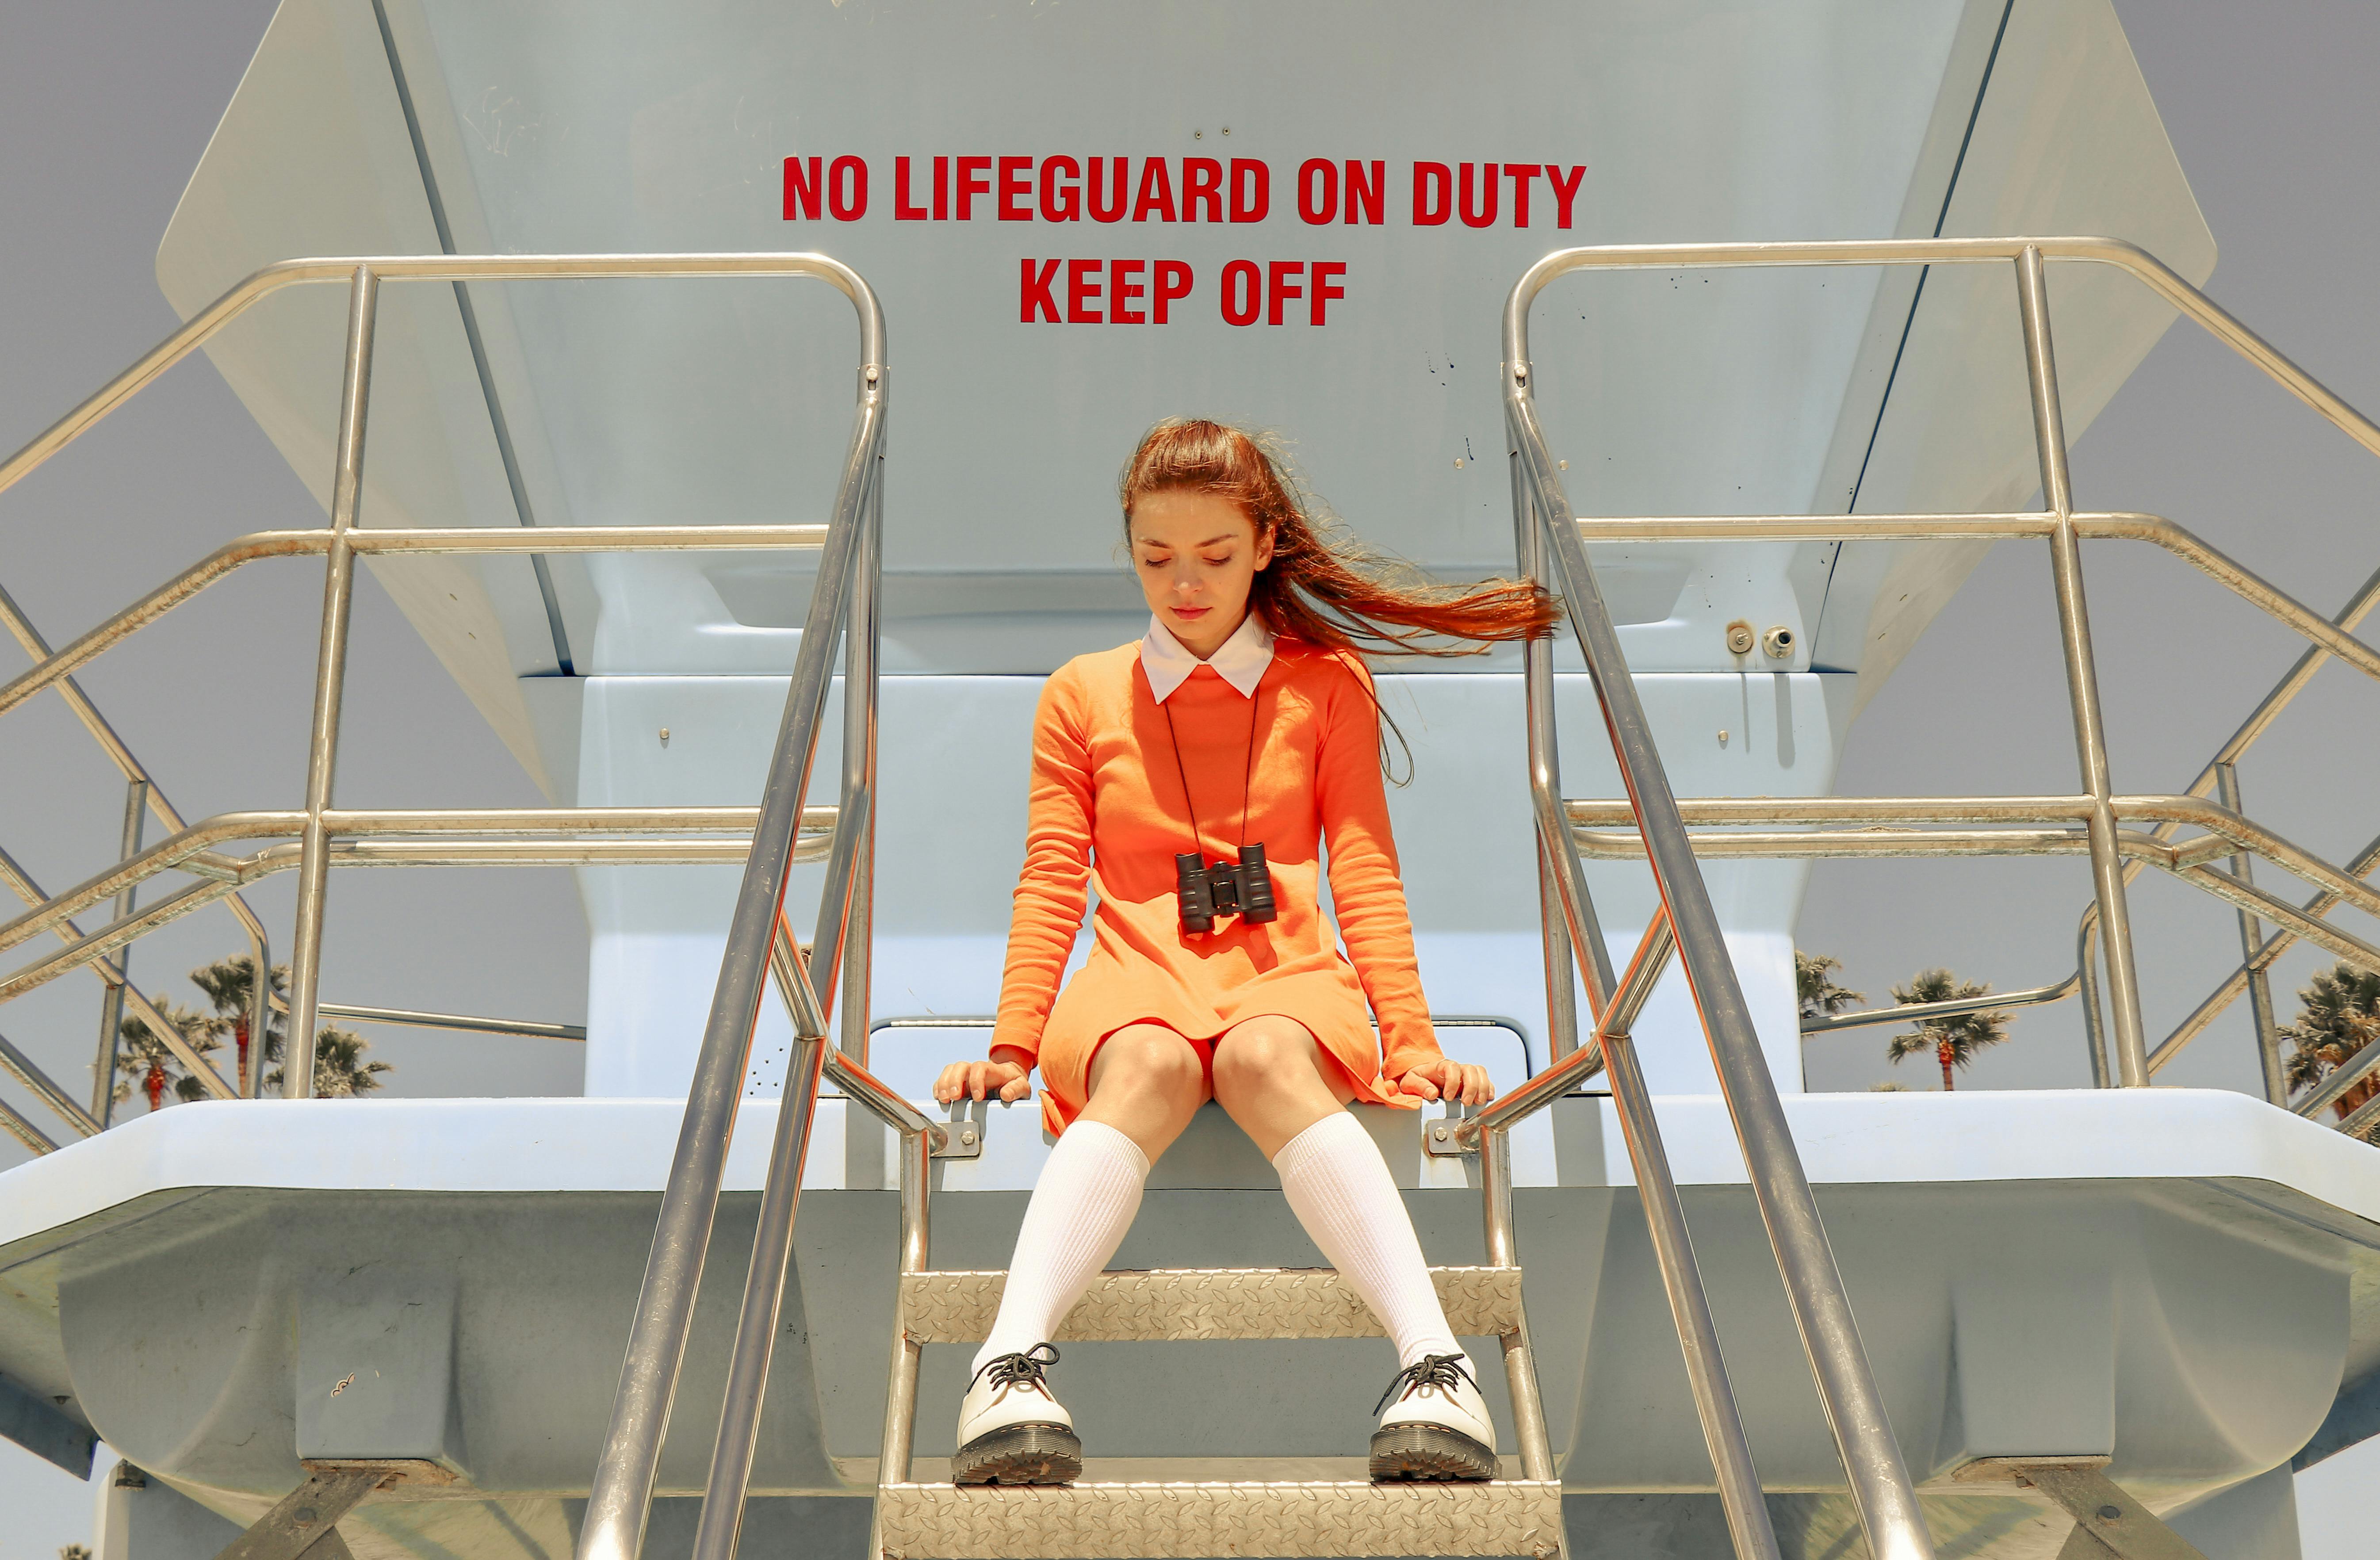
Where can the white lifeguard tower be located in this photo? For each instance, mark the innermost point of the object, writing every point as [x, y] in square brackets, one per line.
[1747, 329]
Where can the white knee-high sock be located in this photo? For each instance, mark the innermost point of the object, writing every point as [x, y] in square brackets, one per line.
[1082, 1205]
[1340, 1188]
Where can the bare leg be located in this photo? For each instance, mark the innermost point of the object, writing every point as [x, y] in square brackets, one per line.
[1147, 1083]
[1271, 1077]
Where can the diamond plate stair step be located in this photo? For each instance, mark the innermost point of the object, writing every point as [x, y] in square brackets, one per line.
[1154, 1521]
[1260, 1302]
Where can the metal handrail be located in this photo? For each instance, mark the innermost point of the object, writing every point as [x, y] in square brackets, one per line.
[193, 849]
[402, 541]
[2049, 437]
[22, 884]
[364, 276]
[2327, 634]
[149, 797]
[1880, 1485]
[622, 1493]
[530, 1029]
[461, 837]
[2330, 638]
[2137, 1063]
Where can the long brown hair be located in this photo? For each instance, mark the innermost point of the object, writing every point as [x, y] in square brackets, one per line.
[1323, 586]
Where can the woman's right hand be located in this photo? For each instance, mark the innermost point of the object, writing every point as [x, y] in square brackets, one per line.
[982, 1080]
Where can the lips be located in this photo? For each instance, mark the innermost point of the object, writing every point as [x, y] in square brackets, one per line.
[1192, 613]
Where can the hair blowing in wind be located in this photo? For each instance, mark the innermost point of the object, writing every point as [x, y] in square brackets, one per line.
[1324, 586]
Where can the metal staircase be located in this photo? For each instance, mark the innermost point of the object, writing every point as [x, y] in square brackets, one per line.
[916, 1520]
[1138, 1519]
[1520, 1517]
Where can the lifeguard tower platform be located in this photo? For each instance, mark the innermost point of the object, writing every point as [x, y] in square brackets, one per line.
[1746, 328]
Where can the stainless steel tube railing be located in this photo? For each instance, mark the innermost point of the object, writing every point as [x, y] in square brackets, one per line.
[621, 1496]
[22, 884]
[1573, 935]
[624, 1478]
[360, 273]
[2115, 858]
[363, 276]
[1880, 1485]
[737, 1000]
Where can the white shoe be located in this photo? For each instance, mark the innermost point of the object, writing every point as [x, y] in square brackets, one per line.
[1435, 1424]
[1011, 1429]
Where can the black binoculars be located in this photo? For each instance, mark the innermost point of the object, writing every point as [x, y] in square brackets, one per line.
[1205, 892]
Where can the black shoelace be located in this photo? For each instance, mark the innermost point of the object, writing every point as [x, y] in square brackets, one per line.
[1430, 1370]
[1014, 1370]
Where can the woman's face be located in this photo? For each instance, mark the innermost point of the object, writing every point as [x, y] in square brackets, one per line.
[1198, 555]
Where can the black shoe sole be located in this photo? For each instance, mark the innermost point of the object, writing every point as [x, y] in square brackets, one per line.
[1416, 1453]
[1020, 1454]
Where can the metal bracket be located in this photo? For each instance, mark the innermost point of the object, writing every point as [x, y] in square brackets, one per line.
[305, 1520]
[2107, 1521]
[962, 1136]
[1442, 1138]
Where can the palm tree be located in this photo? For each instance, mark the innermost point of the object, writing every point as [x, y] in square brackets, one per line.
[143, 1056]
[1814, 982]
[2339, 1014]
[339, 1068]
[230, 984]
[1955, 1041]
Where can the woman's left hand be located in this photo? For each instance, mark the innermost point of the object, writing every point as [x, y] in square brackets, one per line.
[1442, 1078]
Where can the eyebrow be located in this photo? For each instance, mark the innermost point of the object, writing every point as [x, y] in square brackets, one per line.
[1219, 536]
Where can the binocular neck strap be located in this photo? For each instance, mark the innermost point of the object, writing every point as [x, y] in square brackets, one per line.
[1247, 776]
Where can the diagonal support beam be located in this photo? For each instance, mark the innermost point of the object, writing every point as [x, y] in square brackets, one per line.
[2106, 1520]
[302, 1523]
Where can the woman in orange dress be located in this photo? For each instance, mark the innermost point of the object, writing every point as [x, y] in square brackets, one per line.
[1245, 717]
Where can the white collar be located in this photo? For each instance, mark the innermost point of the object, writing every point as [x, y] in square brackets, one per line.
[1241, 661]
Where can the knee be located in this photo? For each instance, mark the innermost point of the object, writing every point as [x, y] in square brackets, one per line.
[1262, 1053]
[1151, 1060]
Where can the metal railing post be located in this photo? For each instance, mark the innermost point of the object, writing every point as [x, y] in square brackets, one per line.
[329, 686]
[864, 634]
[839, 947]
[1572, 928]
[2082, 674]
[2095, 1018]
[111, 1000]
[260, 1014]
[1544, 774]
[863, 1137]
[622, 1493]
[1665, 1222]
[1753, 1536]
[721, 1522]
[1504, 1250]
[1881, 1489]
[2252, 939]
[900, 1391]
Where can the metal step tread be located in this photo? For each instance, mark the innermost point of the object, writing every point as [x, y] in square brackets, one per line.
[1175, 1303]
[1155, 1521]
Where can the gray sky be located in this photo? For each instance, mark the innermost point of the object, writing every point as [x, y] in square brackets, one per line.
[105, 106]
[2269, 109]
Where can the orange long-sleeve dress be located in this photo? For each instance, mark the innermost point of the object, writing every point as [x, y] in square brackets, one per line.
[1108, 814]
